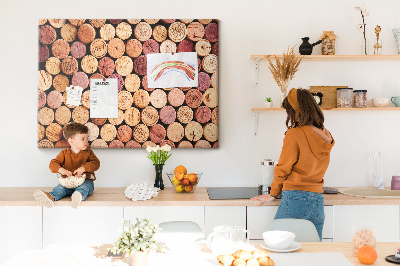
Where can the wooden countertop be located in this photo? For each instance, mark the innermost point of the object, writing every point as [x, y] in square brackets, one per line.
[23, 196]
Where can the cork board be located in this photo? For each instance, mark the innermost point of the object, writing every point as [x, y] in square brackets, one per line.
[74, 51]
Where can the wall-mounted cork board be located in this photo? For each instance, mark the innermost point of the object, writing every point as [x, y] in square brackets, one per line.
[74, 51]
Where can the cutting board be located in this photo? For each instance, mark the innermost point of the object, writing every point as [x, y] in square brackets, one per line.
[329, 98]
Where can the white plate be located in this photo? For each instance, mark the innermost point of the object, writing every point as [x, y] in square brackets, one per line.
[293, 247]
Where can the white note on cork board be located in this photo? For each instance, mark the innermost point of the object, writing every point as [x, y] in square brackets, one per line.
[104, 98]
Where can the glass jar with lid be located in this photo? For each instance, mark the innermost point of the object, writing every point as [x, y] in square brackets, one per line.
[360, 98]
[344, 97]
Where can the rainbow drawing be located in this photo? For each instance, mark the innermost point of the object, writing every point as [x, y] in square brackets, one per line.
[178, 66]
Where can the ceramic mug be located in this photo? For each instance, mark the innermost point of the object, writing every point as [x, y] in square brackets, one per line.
[396, 101]
[395, 184]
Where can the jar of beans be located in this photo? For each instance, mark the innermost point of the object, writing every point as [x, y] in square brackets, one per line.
[344, 97]
[360, 98]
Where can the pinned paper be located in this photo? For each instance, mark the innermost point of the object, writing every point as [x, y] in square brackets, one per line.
[166, 70]
[74, 94]
[104, 98]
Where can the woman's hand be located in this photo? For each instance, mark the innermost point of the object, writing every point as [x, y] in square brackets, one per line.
[263, 198]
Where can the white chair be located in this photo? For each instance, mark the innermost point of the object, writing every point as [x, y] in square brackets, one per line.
[304, 230]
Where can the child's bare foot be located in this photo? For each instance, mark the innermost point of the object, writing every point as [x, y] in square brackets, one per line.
[76, 199]
[44, 198]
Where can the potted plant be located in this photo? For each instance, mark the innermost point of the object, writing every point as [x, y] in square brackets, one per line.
[137, 240]
[268, 102]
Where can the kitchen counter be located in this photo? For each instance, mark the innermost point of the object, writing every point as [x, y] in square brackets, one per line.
[23, 196]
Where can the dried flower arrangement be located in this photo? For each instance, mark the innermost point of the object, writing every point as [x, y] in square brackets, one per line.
[283, 71]
[364, 13]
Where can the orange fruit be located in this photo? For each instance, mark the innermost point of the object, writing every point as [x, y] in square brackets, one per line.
[180, 169]
[367, 255]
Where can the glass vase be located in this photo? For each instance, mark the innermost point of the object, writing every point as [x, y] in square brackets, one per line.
[284, 93]
[364, 46]
[159, 181]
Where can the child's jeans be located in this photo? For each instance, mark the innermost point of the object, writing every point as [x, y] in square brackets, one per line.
[86, 189]
[306, 205]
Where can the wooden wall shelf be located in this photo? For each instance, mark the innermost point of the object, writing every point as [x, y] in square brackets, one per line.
[336, 57]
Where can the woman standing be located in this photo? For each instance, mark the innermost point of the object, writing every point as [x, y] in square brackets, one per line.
[305, 156]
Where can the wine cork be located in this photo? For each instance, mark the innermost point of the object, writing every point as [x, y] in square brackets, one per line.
[44, 53]
[140, 65]
[54, 132]
[57, 23]
[214, 80]
[123, 30]
[45, 116]
[157, 133]
[63, 115]
[133, 48]
[77, 22]
[80, 79]
[167, 142]
[108, 132]
[120, 80]
[69, 32]
[141, 98]
[211, 32]
[124, 133]
[85, 99]
[116, 48]
[210, 97]
[141, 133]
[198, 64]
[89, 64]
[167, 115]
[60, 48]
[168, 21]
[107, 32]
[143, 31]
[151, 47]
[210, 63]
[204, 21]
[175, 132]
[193, 131]
[62, 144]
[215, 145]
[115, 21]
[147, 144]
[96, 76]
[133, 21]
[203, 47]
[176, 97]
[145, 84]
[44, 80]
[41, 132]
[132, 82]
[210, 132]
[93, 131]
[106, 66]
[124, 65]
[132, 116]
[86, 33]
[80, 115]
[185, 114]
[214, 116]
[125, 100]
[41, 99]
[195, 31]
[132, 144]
[45, 143]
[116, 144]
[177, 31]
[69, 65]
[160, 33]
[99, 121]
[78, 50]
[193, 98]
[151, 21]
[185, 144]
[168, 46]
[149, 116]
[186, 21]
[99, 144]
[117, 121]
[214, 48]
[42, 21]
[204, 81]
[47, 34]
[158, 98]
[54, 99]
[60, 82]
[97, 23]
[98, 48]
[53, 65]
[203, 114]
[185, 46]
[202, 144]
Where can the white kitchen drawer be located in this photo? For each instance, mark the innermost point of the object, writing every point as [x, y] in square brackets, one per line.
[85, 225]
[386, 217]
[20, 229]
[217, 215]
[159, 214]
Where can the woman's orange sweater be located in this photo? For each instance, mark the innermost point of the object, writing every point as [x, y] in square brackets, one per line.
[303, 161]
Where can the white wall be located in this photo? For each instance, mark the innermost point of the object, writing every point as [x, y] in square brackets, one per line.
[246, 27]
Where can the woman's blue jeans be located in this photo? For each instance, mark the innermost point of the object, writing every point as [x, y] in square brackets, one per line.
[86, 189]
[306, 205]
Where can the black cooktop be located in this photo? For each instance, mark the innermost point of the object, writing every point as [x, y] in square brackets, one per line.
[225, 193]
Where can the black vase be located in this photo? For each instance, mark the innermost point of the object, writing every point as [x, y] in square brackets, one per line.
[306, 48]
[159, 181]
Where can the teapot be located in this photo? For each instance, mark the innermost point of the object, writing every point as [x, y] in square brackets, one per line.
[220, 240]
[306, 48]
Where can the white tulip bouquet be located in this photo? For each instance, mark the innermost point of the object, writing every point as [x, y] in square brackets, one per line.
[158, 155]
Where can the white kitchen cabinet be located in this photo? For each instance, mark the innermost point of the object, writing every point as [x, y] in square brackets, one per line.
[85, 225]
[159, 214]
[218, 215]
[20, 229]
[386, 217]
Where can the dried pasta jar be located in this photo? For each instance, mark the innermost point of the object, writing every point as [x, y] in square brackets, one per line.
[360, 98]
[344, 97]
[364, 234]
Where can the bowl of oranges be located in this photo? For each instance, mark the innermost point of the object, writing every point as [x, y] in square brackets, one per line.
[182, 181]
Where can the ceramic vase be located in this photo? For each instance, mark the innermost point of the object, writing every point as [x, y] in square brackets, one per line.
[396, 33]
[159, 181]
[139, 258]
[268, 104]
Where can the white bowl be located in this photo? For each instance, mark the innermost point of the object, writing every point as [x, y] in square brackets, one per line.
[380, 102]
[72, 181]
[279, 240]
